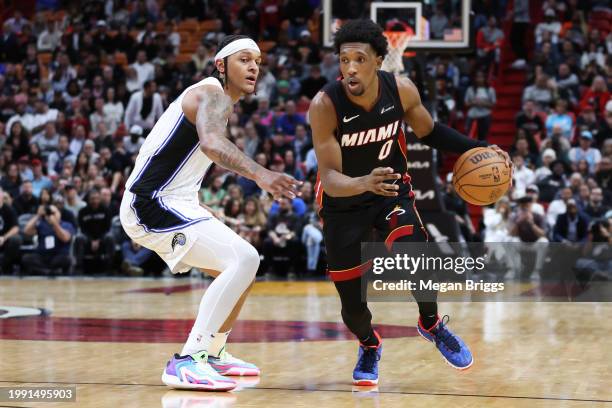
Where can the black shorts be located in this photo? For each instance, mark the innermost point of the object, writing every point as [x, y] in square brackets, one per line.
[391, 219]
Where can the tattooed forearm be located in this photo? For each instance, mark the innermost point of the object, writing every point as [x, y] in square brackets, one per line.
[211, 119]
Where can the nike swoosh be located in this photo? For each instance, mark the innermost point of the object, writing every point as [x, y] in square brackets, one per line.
[346, 120]
[386, 109]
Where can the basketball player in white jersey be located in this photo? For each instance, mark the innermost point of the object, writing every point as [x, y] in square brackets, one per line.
[160, 211]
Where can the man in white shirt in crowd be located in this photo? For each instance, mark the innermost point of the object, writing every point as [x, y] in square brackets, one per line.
[558, 206]
[584, 151]
[134, 140]
[523, 175]
[144, 108]
[145, 71]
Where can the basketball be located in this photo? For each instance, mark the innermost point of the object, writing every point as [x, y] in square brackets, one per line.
[481, 176]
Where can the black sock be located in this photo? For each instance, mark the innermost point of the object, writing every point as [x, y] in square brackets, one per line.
[429, 314]
[371, 340]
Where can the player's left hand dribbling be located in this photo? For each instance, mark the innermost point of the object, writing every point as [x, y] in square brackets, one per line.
[502, 153]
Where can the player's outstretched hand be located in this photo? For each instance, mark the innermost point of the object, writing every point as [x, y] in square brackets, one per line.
[376, 181]
[279, 184]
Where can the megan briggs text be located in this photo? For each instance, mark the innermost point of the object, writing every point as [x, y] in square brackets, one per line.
[468, 285]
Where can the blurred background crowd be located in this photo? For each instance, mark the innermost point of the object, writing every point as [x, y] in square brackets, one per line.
[83, 82]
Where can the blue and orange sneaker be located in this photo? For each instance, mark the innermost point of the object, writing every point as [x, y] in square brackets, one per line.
[226, 364]
[366, 370]
[193, 372]
[453, 349]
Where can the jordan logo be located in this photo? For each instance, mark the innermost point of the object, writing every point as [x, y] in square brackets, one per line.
[383, 110]
[347, 120]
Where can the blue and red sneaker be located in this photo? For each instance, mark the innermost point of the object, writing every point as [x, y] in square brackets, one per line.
[366, 370]
[453, 349]
[193, 372]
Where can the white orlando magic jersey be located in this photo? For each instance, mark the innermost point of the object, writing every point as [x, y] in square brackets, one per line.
[170, 162]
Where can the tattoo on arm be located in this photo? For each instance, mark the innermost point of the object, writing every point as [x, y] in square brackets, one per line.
[213, 111]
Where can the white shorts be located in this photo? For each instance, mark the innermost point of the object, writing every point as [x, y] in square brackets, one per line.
[171, 226]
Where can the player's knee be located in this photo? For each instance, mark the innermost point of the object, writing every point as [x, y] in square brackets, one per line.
[248, 259]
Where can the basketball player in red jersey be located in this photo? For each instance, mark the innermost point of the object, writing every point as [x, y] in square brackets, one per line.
[358, 133]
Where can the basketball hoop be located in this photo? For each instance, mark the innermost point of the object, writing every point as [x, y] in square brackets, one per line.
[398, 41]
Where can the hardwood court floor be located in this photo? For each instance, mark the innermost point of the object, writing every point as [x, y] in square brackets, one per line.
[111, 338]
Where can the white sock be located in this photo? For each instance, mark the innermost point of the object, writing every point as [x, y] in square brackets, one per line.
[197, 341]
[217, 344]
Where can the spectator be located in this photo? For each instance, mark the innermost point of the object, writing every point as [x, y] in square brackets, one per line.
[145, 71]
[9, 46]
[557, 142]
[597, 94]
[533, 191]
[281, 247]
[550, 25]
[550, 185]
[558, 206]
[39, 180]
[548, 156]
[542, 93]
[94, 221]
[134, 256]
[134, 140]
[54, 236]
[26, 202]
[79, 134]
[496, 222]
[587, 120]
[560, 118]
[520, 26]
[11, 181]
[488, 43]
[526, 225]
[523, 175]
[567, 83]
[290, 119]
[73, 202]
[113, 110]
[571, 226]
[313, 83]
[438, 23]
[584, 151]
[312, 237]
[596, 207]
[214, 194]
[145, 107]
[330, 67]
[480, 99]
[50, 38]
[57, 158]
[252, 222]
[48, 140]
[9, 235]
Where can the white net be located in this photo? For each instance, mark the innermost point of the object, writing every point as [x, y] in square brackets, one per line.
[398, 41]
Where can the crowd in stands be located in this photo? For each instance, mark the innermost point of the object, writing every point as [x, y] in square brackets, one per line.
[80, 88]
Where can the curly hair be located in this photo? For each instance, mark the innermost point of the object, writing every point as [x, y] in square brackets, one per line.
[362, 31]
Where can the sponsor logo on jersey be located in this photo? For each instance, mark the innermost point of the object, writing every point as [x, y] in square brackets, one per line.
[178, 239]
[418, 165]
[369, 136]
[417, 147]
[426, 195]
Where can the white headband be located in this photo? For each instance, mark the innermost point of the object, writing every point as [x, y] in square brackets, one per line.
[235, 46]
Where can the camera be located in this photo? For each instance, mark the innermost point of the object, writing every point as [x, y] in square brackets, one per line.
[48, 210]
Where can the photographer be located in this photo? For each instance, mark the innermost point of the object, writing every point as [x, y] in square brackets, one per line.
[54, 238]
